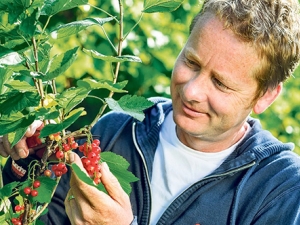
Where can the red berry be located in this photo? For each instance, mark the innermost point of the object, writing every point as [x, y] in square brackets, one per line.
[34, 193]
[58, 173]
[54, 167]
[18, 208]
[96, 141]
[59, 155]
[66, 147]
[74, 145]
[97, 180]
[85, 162]
[27, 190]
[47, 173]
[61, 166]
[36, 184]
[91, 155]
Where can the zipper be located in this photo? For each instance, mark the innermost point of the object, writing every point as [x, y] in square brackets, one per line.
[207, 178]
[144, 163]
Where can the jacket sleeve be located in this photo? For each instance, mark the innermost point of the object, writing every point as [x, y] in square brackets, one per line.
[283, 209]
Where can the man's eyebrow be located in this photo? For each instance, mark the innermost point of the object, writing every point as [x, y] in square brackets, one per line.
[189, 51]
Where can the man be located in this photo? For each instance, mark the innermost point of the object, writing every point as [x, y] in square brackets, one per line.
[200, 158]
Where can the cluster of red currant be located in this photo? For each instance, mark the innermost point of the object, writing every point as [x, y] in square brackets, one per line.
[70, 145]
[91, 159]
[31, 190]
[17, 220]
[59, 169]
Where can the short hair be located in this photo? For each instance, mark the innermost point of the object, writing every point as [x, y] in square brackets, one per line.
[271, 26]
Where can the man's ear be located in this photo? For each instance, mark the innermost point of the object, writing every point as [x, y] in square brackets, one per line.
[267, 99]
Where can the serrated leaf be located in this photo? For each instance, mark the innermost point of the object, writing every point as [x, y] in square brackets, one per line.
[46, 113]
[15, 137]
[54, 128]
[119, 167]
[123, 58]
[131, 105]
[71, 97]
[18, 101]
[22, 86]
[152, 6]
[52, 7]
[7, 189]
[5, 75]
[60, 64]
[68, 29]
[28, 25]
[14, 121]
[91, 84]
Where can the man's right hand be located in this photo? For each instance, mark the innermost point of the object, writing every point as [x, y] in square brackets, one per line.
[20, 150]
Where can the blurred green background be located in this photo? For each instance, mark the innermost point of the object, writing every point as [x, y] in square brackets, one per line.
[157, 40]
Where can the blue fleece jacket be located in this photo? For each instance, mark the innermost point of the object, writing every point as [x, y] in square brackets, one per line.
[259, 183]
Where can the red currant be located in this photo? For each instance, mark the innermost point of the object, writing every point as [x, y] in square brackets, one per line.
[34, 193]
[18, 208]
[74, 145]
[59, 155]
[66, 147]
[27, 190]
[96, 141]
[36, 184]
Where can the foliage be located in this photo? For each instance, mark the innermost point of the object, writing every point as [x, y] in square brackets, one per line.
[32, 67]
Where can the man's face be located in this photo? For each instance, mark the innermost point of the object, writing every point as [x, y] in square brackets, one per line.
[212, 85]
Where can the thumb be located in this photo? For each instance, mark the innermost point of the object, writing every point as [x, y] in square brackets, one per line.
[111, 183]
[73, 158]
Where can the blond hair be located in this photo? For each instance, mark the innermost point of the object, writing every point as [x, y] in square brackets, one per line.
[271, 26]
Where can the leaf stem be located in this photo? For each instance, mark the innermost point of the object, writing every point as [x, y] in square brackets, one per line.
[117, 69]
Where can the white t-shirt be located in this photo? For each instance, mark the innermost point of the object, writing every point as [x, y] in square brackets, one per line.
[177, 166]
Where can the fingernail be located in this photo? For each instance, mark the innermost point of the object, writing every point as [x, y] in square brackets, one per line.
[105, 166]
[71, 157]
[21, 153]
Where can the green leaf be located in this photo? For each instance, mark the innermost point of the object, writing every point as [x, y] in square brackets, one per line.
[69, 29]
[71, 97]
[131, 105]
[46, 114]
[52, 7]
[7, 189]
[9, 57]
[17, 101]
[152, 6]
[91, 84]
[14, 121]
[123, 58]
[20, 85]
[28, 25]
[15, 137]
[60, 64]
[44, 191]
[54, 128]
[119, 167]
[5, 74]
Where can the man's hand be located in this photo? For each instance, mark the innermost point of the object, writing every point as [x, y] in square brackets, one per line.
[20, 150]
[87, 205]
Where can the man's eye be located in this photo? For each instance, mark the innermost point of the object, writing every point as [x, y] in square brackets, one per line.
[220, 85]
[191, 63]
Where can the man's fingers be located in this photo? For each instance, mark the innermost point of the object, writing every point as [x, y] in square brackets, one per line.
[36, 125]
[111, 184]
